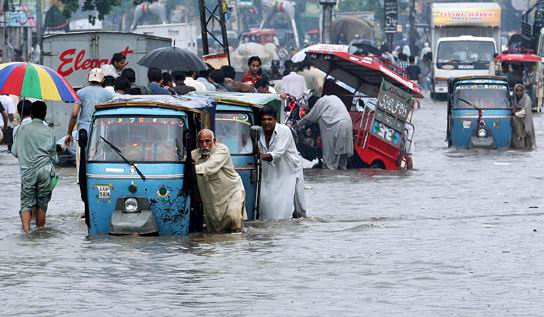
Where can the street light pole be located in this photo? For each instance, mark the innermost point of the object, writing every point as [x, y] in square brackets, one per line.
[412, 35]
[39, 30]
[327, 20]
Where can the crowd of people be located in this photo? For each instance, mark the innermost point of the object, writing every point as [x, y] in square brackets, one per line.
[35, 145]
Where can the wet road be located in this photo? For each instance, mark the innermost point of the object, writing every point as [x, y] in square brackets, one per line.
[462, 235]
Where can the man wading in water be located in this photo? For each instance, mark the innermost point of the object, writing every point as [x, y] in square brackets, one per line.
[522, 120]
[35, 148]
[282, 187]
[220, 186]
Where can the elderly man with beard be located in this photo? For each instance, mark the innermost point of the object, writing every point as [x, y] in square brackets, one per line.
[220, 186]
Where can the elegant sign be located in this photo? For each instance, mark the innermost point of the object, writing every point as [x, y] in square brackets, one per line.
[73, 60]
[391, 15]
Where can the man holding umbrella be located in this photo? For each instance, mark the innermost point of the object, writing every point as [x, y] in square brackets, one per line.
[173, 59]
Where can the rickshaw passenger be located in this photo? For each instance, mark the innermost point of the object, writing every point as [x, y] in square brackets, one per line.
[505, 70]
[516, 76]
[522, 120]
[235, 136]
[149, 146]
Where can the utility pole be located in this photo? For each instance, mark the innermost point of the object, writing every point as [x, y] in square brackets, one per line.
[209, 15]
[39, 29]
[412, 34]
[326, 18]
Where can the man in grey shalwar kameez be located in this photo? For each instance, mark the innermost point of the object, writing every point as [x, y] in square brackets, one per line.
[335, 128]
[220, 186]
[523, 136]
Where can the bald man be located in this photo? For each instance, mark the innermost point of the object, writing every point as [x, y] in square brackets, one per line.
[221, 188]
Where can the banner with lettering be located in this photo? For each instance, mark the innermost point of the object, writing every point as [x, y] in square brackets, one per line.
[22, 14]
[392, 111]
[476, 14]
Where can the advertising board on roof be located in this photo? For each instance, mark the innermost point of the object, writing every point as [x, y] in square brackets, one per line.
[476, 14]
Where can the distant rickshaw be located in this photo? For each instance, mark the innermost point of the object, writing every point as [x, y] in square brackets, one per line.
[531, 72]
[259, 36]
[479, 113]
[136, 175]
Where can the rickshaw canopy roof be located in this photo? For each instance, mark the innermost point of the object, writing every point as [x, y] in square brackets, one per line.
[356, 70]
[480, 80]
[519, 57]
[193, 104]
[474, 80]
[259, 32]
[241, 99]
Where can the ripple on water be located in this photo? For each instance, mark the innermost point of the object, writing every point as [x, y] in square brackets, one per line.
[458, 236]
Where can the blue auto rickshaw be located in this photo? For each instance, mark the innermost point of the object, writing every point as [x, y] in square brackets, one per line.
[479, 112]
[137, 176]
[235, 114]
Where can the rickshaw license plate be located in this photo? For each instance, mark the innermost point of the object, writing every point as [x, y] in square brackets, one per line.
[104, 191]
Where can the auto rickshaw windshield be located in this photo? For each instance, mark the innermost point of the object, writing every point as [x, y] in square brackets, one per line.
[233, 129]
[483, 96]
[140, 139]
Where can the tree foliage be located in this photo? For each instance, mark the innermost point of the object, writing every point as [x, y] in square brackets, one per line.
[358, 5]
[103, 7]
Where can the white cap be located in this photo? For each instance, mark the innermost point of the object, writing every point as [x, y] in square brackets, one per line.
[96, 75]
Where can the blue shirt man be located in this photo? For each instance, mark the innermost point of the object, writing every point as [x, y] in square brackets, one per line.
[89, 97]
[154, 76]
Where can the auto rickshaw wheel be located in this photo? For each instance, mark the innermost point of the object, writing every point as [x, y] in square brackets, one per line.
[377, 164]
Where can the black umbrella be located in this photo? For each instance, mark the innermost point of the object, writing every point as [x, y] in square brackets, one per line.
[173, 58]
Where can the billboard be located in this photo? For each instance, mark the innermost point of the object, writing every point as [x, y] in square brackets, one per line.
[391, 15]
[22, 14]
[476, 14]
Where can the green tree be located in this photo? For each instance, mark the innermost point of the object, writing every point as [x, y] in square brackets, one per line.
[103, 7]
[358, 5]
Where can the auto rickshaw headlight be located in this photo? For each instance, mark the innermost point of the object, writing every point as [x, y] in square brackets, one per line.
[482, 133]
[131, 205]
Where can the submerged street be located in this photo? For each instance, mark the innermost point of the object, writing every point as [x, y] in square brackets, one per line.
[461, 234]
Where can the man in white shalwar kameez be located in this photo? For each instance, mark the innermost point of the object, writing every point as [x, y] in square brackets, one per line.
[293, 84]
[220, 186]
[335, 128]
[282, 182]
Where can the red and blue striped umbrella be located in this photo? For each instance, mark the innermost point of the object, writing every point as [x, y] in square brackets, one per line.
[30, 80]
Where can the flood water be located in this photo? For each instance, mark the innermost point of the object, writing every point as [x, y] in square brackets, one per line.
[461, 235]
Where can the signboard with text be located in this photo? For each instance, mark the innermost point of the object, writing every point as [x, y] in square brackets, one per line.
[475, 14]
[22, 14]
[391, 14]
[392, 111]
